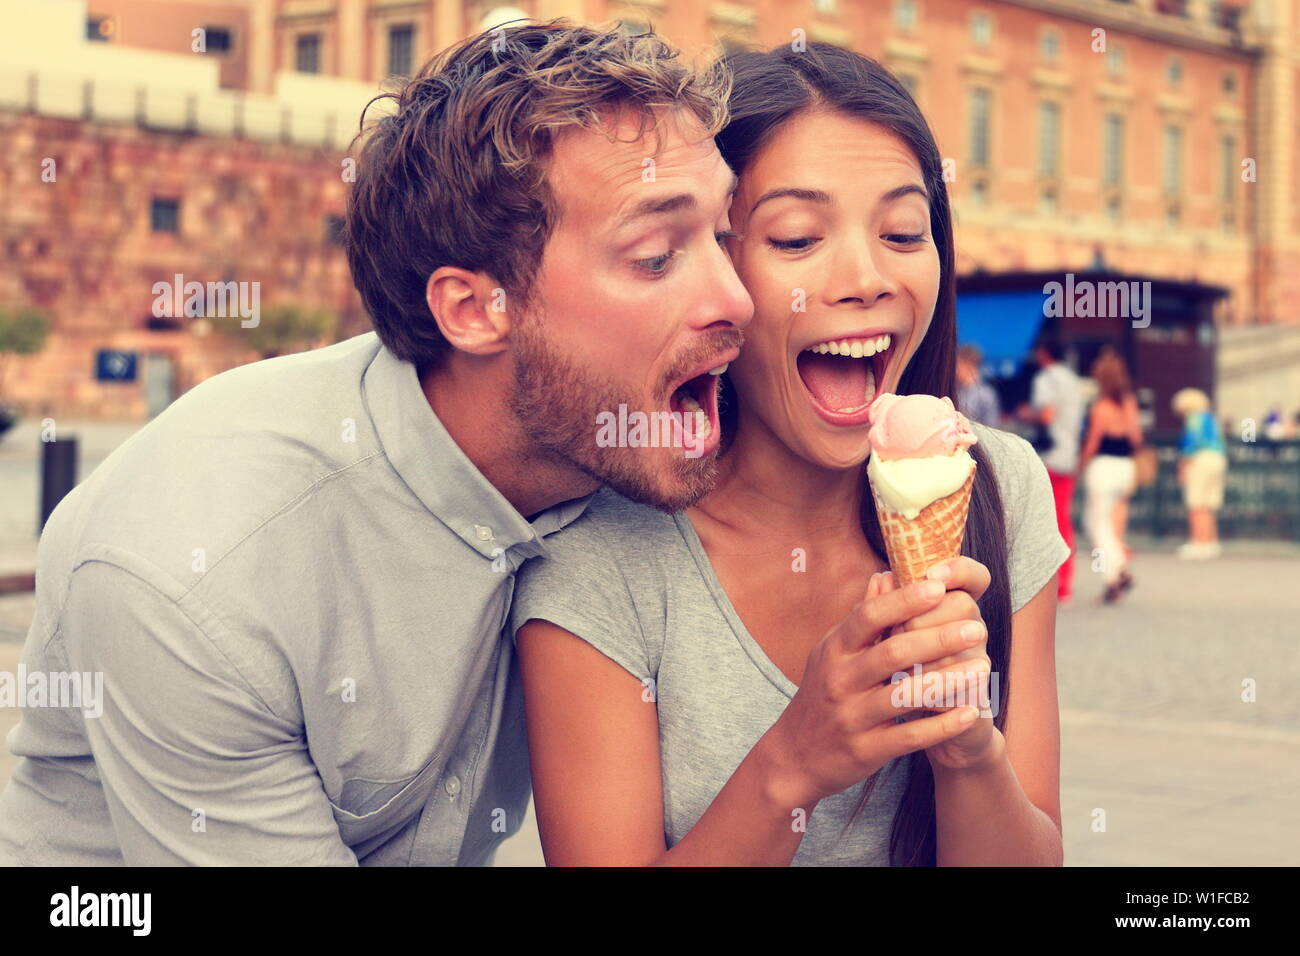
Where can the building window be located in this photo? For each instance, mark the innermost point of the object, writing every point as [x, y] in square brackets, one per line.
[1230, 83]
[633, 28]
[1173, 215]
[1114, 208]
[1115, 60]
[1049, 138]
[334, 229]
[100, 29]
[1173, 160]
[1113, 150]
[981, 28]
[1174, 71]
[217, 40]
[980, 110]
[1050, 44]
[1228, 162]
[401, 48]
[1047, 202]
[306, 53]
[165, 215]
[905, 15]
[911, 83]
[979, 191]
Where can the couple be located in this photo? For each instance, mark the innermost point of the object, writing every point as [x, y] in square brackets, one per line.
[301, 581]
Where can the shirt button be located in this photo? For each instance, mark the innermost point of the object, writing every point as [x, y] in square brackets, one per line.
[484, 533]
[452, 786]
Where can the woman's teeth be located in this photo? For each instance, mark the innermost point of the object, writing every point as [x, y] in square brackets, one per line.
[854, 348]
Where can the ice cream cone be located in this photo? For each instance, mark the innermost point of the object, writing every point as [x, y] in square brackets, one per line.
[914, 545]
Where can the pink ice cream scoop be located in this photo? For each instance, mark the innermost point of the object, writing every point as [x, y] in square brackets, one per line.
[916, 426]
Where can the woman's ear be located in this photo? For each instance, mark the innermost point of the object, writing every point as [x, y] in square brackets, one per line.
[470, 308]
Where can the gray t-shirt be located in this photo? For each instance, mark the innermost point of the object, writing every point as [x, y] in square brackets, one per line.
[636, 584]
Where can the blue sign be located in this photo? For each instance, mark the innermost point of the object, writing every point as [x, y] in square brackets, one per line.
[112, 365]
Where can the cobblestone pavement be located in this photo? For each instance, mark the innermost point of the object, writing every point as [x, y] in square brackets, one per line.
[1155, 736]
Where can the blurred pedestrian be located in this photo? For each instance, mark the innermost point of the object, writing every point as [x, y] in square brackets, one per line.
[1056, 409]
[1202, 469]
[1109, 471]
[1273, 427]
[976, 398]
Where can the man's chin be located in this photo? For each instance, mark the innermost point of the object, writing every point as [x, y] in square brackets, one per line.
[671, 488]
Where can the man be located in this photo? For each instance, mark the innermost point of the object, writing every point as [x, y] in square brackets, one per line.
[1057, 402]
[977, 399]
[294, 580]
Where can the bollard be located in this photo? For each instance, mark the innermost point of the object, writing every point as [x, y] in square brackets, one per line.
[58, 474]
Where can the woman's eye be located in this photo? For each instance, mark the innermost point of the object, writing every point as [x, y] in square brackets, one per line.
[792, 245]
[905, 239]
[658, 265]
[724, 235]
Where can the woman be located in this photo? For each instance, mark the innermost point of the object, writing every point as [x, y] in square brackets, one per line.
[711, 687]
[1202, 470]
[1109, 473]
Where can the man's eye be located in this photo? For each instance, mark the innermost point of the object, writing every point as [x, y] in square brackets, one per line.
[905, 239]
[658, 265]
[793, 245]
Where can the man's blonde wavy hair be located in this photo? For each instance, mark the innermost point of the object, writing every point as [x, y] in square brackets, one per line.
[453, 173]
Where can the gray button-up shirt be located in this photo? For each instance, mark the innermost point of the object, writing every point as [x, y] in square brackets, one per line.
[294, 584]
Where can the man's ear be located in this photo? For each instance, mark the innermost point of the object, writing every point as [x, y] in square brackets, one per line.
[470, 309]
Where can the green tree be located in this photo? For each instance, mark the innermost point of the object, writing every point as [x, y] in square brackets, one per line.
[284, 328]
[22, 332]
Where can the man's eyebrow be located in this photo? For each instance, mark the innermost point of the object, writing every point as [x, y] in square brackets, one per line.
[818, 196]
[666, 204]
[657, 207]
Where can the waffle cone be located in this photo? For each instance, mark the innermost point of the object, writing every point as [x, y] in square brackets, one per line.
[914, 545]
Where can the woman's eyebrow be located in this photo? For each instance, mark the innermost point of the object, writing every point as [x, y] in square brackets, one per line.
[809, 195]
[819, 196]
[898, 192]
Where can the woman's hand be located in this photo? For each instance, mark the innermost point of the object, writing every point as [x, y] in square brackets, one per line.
[966, 580]
[842, 726]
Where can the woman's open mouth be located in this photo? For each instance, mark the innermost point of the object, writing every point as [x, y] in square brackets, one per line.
[844, 376]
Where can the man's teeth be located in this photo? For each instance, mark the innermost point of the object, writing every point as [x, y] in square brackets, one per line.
[854, 348]
[689, 407]
[720, 369]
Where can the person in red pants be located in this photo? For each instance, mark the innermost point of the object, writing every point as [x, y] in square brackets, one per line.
[1057, 404]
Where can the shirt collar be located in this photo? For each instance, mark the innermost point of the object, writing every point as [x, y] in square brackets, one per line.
[438, 472]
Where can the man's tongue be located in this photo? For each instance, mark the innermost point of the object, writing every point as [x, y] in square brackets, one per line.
[837, 382]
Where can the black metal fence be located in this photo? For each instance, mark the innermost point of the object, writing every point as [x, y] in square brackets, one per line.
[1261, 498]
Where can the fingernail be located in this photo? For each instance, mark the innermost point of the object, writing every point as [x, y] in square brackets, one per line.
[967, 715]
[940, 572]
[932, 589]
[972, 632]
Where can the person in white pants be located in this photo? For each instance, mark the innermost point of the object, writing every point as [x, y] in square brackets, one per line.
[1108, 470]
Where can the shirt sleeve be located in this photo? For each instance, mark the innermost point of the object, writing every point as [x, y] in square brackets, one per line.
[196, 769]
[581, 587]
[1035, 547]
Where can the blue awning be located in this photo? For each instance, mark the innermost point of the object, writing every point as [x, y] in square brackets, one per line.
[1003, 325]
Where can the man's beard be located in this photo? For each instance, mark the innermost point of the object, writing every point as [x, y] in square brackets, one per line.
[556, 403]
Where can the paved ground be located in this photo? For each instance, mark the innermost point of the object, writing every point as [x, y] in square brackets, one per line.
[1154, 729]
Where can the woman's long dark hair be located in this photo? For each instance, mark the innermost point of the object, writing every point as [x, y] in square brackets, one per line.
[769, 90]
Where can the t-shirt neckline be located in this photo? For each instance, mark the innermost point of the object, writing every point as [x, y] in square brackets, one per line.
[751, 647]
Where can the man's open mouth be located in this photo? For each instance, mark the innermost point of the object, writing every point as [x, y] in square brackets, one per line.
[698, 394]
[844, 376]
